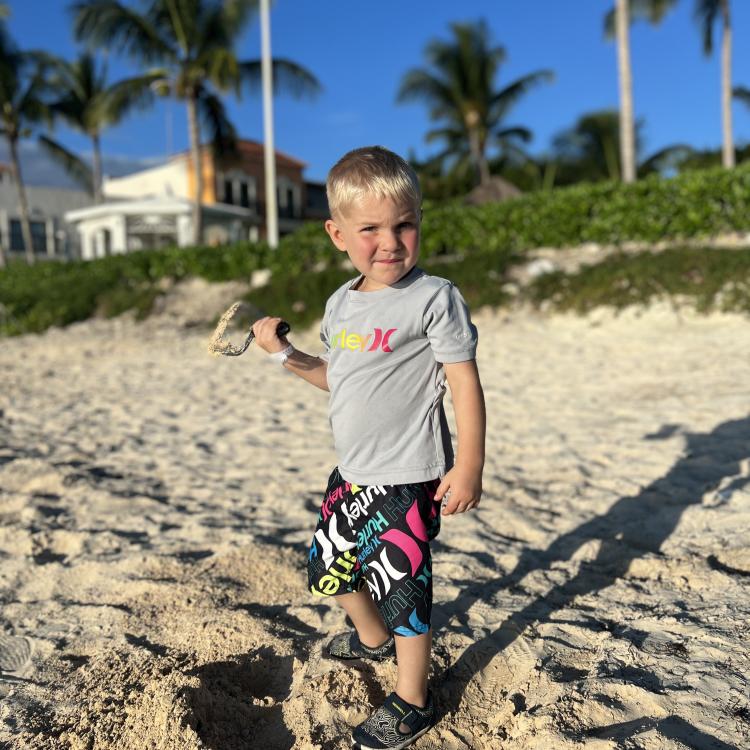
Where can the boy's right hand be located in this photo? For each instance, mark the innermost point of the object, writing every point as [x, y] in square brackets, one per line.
[265, 335]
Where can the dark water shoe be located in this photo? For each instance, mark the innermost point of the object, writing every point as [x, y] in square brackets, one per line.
[348, 646]
[382, 731]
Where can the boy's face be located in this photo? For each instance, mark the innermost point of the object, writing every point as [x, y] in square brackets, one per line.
[381, 239]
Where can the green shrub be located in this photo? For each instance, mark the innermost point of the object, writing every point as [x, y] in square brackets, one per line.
[710, 279]
[694, 205]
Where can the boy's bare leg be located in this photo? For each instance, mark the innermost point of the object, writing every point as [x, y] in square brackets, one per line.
[364, 614]
[413, 657]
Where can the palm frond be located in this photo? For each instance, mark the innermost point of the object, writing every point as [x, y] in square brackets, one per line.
[504, 99]
[216, 123]
[221, 68]
[706, 13]
[31, 104]
[288, 77]
[741, 94]
[454, 138]
[421, 85]
[111, 24]
[668, 157]
[652, 11]
[214, 31]
[517, 133]
[73, 165]
[122, 97]
[237, 14]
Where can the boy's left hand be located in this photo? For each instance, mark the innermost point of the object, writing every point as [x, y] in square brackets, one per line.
[465, 488]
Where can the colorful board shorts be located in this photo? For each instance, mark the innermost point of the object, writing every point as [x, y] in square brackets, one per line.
[378, 536]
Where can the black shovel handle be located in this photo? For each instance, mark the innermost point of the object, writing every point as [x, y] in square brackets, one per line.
[281, 330]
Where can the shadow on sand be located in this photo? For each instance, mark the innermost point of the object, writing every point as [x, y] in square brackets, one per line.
[633, 527]
[238, 703]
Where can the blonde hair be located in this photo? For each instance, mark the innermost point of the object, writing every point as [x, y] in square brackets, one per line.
[372, 170]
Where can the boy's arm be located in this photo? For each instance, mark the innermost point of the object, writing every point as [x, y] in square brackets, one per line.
[464, 480]
[312, 369]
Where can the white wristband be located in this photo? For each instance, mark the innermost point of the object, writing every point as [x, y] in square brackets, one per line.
[283, 355]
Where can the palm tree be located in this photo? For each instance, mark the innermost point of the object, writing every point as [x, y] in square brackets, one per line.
[589, 150]
[706, 13]
[617, 23]
[193, 42]
[21, 108]
[459, 88]
[88, 104]
[627, 126]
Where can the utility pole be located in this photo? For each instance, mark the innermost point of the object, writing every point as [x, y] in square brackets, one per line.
[269, 156]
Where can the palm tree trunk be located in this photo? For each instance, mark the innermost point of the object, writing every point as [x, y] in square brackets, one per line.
[195, 151]
[550, 171]
[727, 149]
[15, 168]
[627, 128]
[480, 163]
[609, 149]
[97, 173]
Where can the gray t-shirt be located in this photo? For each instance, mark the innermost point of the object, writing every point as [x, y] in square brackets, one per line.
[384, 351]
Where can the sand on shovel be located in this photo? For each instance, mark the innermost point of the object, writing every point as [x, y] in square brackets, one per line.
[217, 344]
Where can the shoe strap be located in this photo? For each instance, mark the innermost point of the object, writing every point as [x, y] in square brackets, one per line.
[404, 712]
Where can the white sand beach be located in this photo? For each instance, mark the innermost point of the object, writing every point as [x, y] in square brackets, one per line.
[157, 505]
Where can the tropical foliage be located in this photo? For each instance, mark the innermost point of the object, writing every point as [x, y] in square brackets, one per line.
[22, 108]
[588, 152]
[460, 89]
[87, 103]
[742, 94]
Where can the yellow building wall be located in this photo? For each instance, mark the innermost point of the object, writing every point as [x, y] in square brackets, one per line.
[209, 177]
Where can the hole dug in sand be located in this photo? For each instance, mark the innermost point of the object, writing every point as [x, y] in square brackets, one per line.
[238, 703]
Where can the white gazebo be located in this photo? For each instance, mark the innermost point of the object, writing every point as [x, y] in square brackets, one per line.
[151, 223]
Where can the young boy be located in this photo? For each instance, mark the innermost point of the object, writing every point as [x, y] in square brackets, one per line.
[392, 337]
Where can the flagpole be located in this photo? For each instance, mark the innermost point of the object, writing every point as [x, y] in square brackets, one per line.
[272, 218]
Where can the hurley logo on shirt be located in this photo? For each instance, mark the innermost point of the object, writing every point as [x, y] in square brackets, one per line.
[356, 342]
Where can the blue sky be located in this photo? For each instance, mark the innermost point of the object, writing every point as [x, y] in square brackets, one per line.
[360, 50]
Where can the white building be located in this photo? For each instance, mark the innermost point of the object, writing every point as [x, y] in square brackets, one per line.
[153, 208]
[51, 236]
[151, 223]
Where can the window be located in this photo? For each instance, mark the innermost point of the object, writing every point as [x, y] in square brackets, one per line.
[38, 236]
[228, 192]
[244, 195]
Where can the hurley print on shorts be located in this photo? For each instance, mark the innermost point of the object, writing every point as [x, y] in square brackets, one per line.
[378, 537]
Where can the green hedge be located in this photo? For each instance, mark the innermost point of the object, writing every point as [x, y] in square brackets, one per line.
[32, 298]
[485, 239]
[709, 279]
[694, 205]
